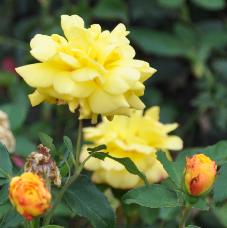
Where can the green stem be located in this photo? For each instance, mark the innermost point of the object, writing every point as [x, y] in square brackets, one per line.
[59, 197]
[28, 224]
[184, 217]
[35, 223]
[78, 144]
[77, 172]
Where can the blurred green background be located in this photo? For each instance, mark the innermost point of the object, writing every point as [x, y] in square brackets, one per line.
[186, 41]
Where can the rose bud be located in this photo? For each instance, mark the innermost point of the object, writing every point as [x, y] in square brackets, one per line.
[199, 174]
[29, 195]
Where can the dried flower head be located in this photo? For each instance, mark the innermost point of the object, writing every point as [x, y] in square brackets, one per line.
[42, 164]
[6, 136]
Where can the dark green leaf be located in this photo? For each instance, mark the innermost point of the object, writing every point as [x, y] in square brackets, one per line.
[171, 3]
[192, 226]
[97, 148]
[126, 162]
[220, 66]
[118, 9]
[4, 181]
[159, 43]
[67, 162]
[4, 193]
[24, 146]
[168, 213]
[11, 219]
[210, 4]
[18, 109]
[4, 208]
[47, 141]
[220, 213]
[87, 201]
[201, 204]
[152, 196]
[69, 147]
[52, 226]
[170, 168]
[7, 78]
[220, 186]
[149, 215]
[217, 152]
[5, 163]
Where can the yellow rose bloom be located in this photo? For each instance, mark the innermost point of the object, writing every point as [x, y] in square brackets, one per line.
[91, 69]
[200, 173]
[137, 137]
[29, 195]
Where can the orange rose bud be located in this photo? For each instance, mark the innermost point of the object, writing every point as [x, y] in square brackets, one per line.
[29, 195]
[199, 174]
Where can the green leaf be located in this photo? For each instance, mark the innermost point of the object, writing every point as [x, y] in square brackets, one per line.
[4, 181]
[152, 196]
[17, 110]
[52, 226]
[6, 168]
[126, 162]
[217, 152]
[118, 10]
[4, 193]
[67, 162]
[159, 43]
[220, 213]
[4, 208]
[7, 78]
[220, 186]
[192, 226]
[220, 66]
[201, 204]
[97, 148]
[168, 213]
[11, 219]
[86, 200]
[149, 215]
[47, 141]
[69, 147]
[171, 3]
[170, 168]
[210, 4]
[24, 146]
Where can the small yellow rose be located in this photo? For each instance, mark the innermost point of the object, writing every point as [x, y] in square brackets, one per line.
[137, 137]
[29, 195]
[200, 174]
[91, 69]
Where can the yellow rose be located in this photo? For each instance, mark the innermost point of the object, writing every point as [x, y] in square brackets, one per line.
[90, 68]
[200, 174]
[29, 195]
[137, 137]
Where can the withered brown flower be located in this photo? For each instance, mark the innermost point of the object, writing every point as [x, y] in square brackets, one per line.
[41, 163]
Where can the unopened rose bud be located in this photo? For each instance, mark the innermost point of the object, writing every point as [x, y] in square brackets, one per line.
[42, 164]
[200, 174]
[29, 195]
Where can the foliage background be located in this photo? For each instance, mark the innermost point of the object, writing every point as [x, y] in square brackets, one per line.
[184, 40]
